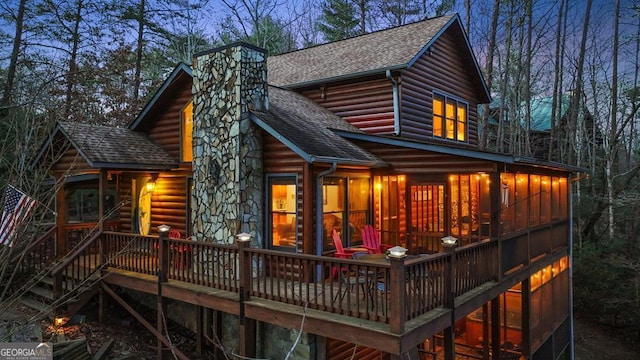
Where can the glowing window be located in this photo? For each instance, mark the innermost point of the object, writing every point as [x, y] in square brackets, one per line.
[187, 132]
[449, 118]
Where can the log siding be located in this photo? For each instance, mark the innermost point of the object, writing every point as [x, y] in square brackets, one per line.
[443, 71]
[367, 105]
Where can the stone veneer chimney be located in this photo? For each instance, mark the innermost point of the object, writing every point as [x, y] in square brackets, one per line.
[227, 147]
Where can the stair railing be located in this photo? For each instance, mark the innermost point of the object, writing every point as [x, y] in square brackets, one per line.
[77, 269]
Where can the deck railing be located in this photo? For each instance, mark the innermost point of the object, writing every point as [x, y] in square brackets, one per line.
[375, 291]
[343, 286]
[473, 266]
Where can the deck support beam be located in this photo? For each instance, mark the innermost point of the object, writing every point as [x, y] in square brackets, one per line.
[144, 322]
[247, 328]
[495, 325]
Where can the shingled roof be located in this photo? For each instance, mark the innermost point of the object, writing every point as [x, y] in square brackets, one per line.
[112, 147]
[306, 128]
[388, 49]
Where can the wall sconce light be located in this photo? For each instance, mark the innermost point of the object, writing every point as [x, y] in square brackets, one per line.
[449, 240]
[397, 252]
[164, 228]
[151, 185]
[243, 237]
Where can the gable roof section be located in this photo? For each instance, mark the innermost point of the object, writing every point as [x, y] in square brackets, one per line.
[391, 49]
[307, 129]
[180, 74]
[110, 147]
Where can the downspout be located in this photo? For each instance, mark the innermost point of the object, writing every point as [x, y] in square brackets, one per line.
[571, 324]
[319, 226]
[396, 104]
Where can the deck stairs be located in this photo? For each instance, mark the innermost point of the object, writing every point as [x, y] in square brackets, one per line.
[41, 297]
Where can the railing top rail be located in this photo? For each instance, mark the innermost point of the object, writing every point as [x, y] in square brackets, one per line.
[179, 241]
[426, 258]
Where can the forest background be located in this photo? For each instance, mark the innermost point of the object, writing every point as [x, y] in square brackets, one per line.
[99, 61]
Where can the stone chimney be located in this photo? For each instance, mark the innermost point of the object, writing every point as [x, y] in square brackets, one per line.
[227, 147]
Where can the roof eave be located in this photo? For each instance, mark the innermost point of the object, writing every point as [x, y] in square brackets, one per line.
[181, 67]
[129, 166]
[427, 147]
[378, 71]
[479, 155]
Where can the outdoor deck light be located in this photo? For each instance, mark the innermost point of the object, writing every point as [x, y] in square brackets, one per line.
[60, 320]
[449, 240]
[164, 228]
[243, 237]
[397, 252]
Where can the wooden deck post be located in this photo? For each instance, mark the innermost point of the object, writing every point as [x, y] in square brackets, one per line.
[163, 253]
[449, 332]
[163, 268]
[247, 336]
[398, 311]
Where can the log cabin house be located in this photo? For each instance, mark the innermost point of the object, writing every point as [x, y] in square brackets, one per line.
[380, 130]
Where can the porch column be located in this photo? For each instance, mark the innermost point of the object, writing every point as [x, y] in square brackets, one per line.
[449, 332]
[228, 82]
[495, 188]
[61, 218]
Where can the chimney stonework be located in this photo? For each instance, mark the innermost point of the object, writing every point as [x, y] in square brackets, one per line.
[227, 146]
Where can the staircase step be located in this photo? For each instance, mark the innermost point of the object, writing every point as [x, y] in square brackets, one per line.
[66, 284]
[42, 292]
[37, 305]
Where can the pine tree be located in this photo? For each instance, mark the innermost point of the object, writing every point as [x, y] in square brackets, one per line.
[338, 20]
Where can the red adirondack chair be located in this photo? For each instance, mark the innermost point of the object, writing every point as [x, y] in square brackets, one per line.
[371, 241]
[340, 251]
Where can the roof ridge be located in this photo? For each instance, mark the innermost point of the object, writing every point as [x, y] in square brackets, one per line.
[362, 35]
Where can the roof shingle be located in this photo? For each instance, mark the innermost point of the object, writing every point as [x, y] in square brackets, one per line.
[307, 127]
[104, 146]
[386, 49]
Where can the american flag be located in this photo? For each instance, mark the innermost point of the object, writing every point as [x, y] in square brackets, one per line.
[17, 208]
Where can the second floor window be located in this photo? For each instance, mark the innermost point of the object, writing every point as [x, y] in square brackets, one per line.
[449, 118]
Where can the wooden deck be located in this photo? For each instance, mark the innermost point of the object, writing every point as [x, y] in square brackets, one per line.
[379, 301]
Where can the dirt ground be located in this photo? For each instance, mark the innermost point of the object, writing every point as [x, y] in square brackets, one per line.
[133, 341]
[594, 342]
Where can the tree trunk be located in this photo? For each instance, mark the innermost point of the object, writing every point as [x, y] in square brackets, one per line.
[139, 50]
[613, 131]
[11, 70]
[557, 73]
[484, 139]
[73, 59]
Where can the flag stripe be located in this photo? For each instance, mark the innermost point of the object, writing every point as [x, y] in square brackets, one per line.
[17, 208]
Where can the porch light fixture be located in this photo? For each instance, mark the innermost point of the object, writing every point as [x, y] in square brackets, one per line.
[151, 185]
[449, 240]
[164, 228]
[397, 252]
[243, 237]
